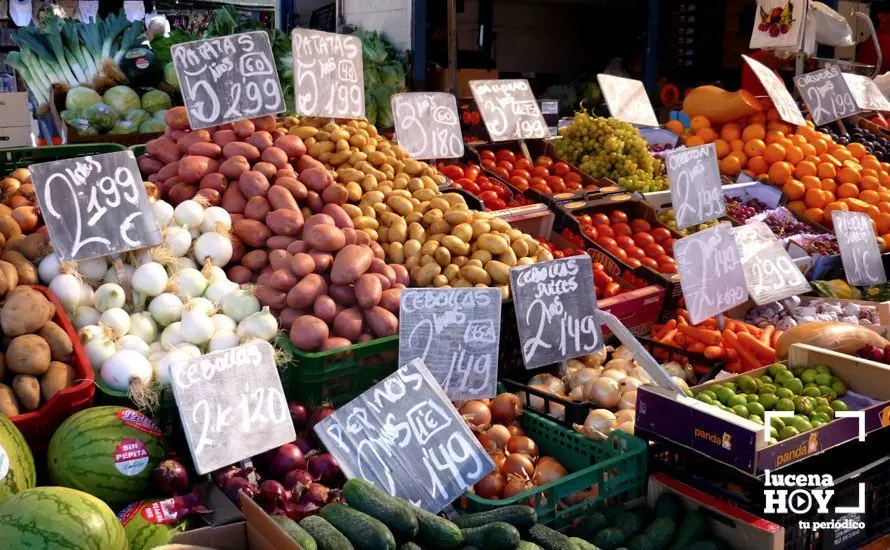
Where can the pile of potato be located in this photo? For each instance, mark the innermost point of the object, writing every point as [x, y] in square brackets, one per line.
[36, 361]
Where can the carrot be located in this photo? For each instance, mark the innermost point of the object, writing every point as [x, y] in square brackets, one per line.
[680, 340]
[668, 338]
[667, 327]
[707, 336]
[755, 331]
[775, 338]
[733, 367]
[708, 323]
[714, 352]
[734, 325]
[747, 359]
[767, 334]
[681, 321]
[697, 347]
[731, 354]
[757, 347]
[683, 313]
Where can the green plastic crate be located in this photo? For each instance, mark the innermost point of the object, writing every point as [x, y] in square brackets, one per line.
[336, 376]
[610, 472]
[138, 150]
[22, 157]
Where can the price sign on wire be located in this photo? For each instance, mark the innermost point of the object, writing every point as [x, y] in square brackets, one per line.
[456, 332]
[404, 436]
[827, 95]
[866, 93]
[509, 109]
[94, 205]
[775, 89]
[769, 272]
[227, 79]
[427, 126]
[696, 189]
[711, 272]
[627, 100]
[231, 404]
[859, 248]
[555, 305]
[329, 79]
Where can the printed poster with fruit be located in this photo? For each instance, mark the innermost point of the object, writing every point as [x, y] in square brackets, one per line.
[778, 24]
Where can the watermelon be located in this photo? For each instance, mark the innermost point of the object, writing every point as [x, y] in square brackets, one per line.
[59, 518]
[142, 532]
[16, 461]
[108, 452]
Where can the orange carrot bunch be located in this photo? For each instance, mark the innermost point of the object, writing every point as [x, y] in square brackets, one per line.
[742, 346]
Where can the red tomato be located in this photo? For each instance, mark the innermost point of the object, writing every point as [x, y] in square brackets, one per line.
[556, 183]
[660, 234]
[543, 160]
[518, 172]
[597, 266]
[472, 172]
[537, 180]
[558, 254]
[590, 232]
[642, 239]
[541, 172]
[488, 164]
[572, 185]
[488, 195]
[667, 268]
[453, 171]
[649, 262]
[487, 154]
[495, 204]
[622, 229]
[502, 192]
[560, 168]
[664, 259]
[618, 253]
[600, 219]
[633, 262]
[635, 252]
[463, 181]
[584, 219]
[522, 163]
[653, 250]
[501, 172]
[506, 164]
[611, 289]
[601, 278]
[606, 242]
[640, 225]
[668, 246]
[519, 183]
[573, 177]
[624, 241]
[617, 216]
[599, 292]
[506, 154]
[471, 186]
[605, 230]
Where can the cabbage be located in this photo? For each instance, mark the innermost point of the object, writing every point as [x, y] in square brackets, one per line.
[393, 75]
[100, 116]
[155, 100]
[122, 99]
[80, 98]
[70, 114]
[137, 115]
[372, 77]
[373, 48]
[379, 97]
[151, 126]
[170, 76]
[124, 127]
[159, 114]
[370, 111]
[83, 127]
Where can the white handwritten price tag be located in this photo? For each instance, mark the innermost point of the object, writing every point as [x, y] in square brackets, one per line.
[456, 331]
[427, 126]
[826, 94]
[404, 436]
[859, 248]
[94, 205]
[228, 79]
[775, 89]
[555, 305]
[769, 272]
[231, 405]
[627, 100]
[866, 93]
[329, 79]
[711, 272]
[696, 189]
[509, 109]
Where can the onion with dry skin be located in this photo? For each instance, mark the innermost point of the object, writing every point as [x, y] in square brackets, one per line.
[498, 457]
[615, 374]
[515, 429]
[629, 383]
[491, 486]
[582, 376]
[499, 435]
[603, 392]
[552, 383]
[524, 445]
[628, 400]
[598, 424]
[626, 427]
[517, 485]
[505, 408]
[625, 415]
[537, 403]
[476, 414]
[518, 465]
[548, 471]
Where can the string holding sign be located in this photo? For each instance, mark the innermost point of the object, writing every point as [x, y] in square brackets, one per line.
[427, 125]
[696, 189]
[509, 109]
[859, 248]
[827, 95]
[329, 78]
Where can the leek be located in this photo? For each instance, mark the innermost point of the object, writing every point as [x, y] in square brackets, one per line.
[52, 31]
[131, 37]
[34, 85]
[111, 28]
[91, 34]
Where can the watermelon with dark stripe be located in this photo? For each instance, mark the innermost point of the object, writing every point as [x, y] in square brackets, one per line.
[108, 452]
[61, 519]
[143, 534]
[16, 461]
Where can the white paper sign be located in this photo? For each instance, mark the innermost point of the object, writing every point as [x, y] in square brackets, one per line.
[427, 125]
[866, 93]
[627, 100]
[769, 272]
[778, 93]
[827, 95]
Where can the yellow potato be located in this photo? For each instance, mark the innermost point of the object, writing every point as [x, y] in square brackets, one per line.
[427, 272]
[463, 231]
[475, 274]
[499, 271]
[455, 245]
[493, 243]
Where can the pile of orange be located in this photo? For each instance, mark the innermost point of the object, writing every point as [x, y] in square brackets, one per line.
[816, 174]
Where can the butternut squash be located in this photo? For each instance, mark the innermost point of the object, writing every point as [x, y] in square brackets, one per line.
[719, 105]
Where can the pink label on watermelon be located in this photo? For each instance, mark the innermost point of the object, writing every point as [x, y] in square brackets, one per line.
[160, 512]
[127, 514]
[130, 457]
[139, 421]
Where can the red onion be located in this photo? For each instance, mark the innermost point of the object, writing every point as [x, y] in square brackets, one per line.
[223, 474]
[304, 443]
[170, 477]
[299, 414]
[235, 484]
[319, 414]
[284, 459]
[323, 467]
[316, 493]
[191, 503]
[271, 495]
[296, 477]
[296, 511]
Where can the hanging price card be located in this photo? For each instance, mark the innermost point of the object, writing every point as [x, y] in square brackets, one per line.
[329, 79]
[769, 272]
[627, 100]
[826, 94]
[509, 109]
[427, 126]
[696, 190]
[866, 93]
[859, 248]
[775, 89]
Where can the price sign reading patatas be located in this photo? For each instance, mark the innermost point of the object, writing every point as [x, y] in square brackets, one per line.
[329, 79]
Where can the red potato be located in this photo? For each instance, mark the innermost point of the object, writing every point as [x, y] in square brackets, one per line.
[285, 222]
[297, 247]
[377, 249]
[233, 167]
[325, 308]
[252, 232]
[263, 278]
[192, 168]
[305, 292]
[385, 283]
[266, 169]
[226, 126]
[351, 263]
[276, 156]
[261, 140]
[239, 274]
[278, 132]
[364, 338]
[265, 123]
[246, 150]
[177, 118]
[191, 138]
[390, 300]
[163, 149]
[308, 332]
[181, 192]
[313, 202]
[340, 217]
[317, 178]
[318, 219]
[253, 184]
[255, 260]
[281, 198]
[28, 218]
[168, 171]
[334, 343]
[349, 323]
[257, 208]
[305, 162]
[212, 196]
[292, 145]
[148, 165]
[323, 261]
[287, 316]
[279, 242]
[233, 200]
[368, 290]
[271, 297]
[238, 249]
[282, 279]
[297, 189]
[244, 128]
[382, 322]
[215, 181]
[327, 238]
[363, 239]
[350, 235]
[209, 150]
[302, 264]
[343, 294]
[236, 217]
[152, 178]
[335, 194]
[381, 267]
[224, 137]
[402, 276]
[279, 259]
[286, 172]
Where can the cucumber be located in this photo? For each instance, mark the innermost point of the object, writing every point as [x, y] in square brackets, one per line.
[661, 532]
[517, 515]
[694, 527]
[548, 539]
[410, 546]
[590, 526]
[363, 531]
[631, 523]
[582, 544]
[668, 506]
[609, 538]
[494, 536]
[526, 545]
[396, 513]
[436, 531]
[295, 532]
[326, 535]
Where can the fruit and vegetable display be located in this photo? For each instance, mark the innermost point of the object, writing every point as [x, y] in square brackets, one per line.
[493, 194]
[633, 241]
[385, 75]
[120, 110]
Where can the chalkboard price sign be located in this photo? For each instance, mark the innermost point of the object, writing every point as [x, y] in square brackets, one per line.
[455, 331]
[94, 205]
[509, 109]
[769, 272]
[711, 272]
[627, 100]
[826, 94]
[231, 405]
[227, 79]
[555, 305]
[404, 436]
[696, 189]
[427, 126]
[775, 89]
[329, 79]
[866, 93]
[859, 248]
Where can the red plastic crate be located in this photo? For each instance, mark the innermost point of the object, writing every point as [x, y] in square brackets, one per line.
[38, 426]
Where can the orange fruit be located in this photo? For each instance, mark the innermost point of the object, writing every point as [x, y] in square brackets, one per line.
[798, 207]
[884, 207]
[870, 196]
[699, 122]
[793, 154]
[829, 158]
[842, 154]
[797, 140]
[808, 150]
[884, 240]
[773, 114]
[873, 212]
[805, 168]
[810, 182]
[846, 190]
[868, 172]
[753, 131]
[857, 205]
[780, 172]
[754, 148]
[857, 150]
[884, 179]
[694, 141]
[758, 165]
[821, 146]
[869, 183]
[826, 170]
[829, 185]
[814, 214]
[848, 175]
[794, 189]
[832, 206]
[737, 145]
[885, 167]
[707, 134]
[816, 198]
[883, 196]
[731, 131]
[757, 118]
[743, 158]
[675, 126]
[774, 153]
[773, 136]
[869, 161]
[730, 165]
[722, 148]
[783, 127]
[882, 222]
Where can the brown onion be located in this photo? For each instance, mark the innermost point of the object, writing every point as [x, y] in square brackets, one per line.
[517, 485]
[499, 457]
[505, 408]
[476, 413]
[524, 445]
[518, 465]
[516, 429]
[486, 441]
[491, 486]
[548, 471]
[499, 435]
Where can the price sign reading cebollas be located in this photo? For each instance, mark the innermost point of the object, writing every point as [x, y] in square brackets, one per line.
[94, 205]
[769, 272]
[859, 248]
[826, 94]
[696, 191]
[509, 109]
[427, 126]
[228, 79]
[329, 79]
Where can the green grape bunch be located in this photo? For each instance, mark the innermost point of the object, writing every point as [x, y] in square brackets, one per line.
[609, 148]
[667, 218]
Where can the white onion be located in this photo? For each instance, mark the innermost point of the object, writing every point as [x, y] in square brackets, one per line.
[220, 289]
[126, 367]
[629, 383]
[142, 256]
[184, 262]
[261, 325]
[223, 323]
[98, 351]
[163, 212]
[189, 349]
[86, 294]
[625, 415]
[156, 347]
[165, 308]
[189, 283]
[552, 382]
[603, 392]
[628, 400]
[623, 352]
[188, 213]
[240, 304]
[615, 374]
[204, 305]
[117, 320]
[622, 364]
[150, 279]
[90, 333]
[162, 366]
[223, 339]
[171, 335]
[640, 374]
[178, 240]
[626, 427]
[84, 316]
[215, 274]
[133, 343]
[196, 328]
[598, 424]
[49, 268]
[143, 326]
[111, 274]
[582, 376]
[215, 247]
[216, 219]
[537, 403]
[93, 269]
[109, 296]
[66, 287]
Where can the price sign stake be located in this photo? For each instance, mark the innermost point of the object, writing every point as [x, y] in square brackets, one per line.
[509, 109]
[94, 205]
[627, 100]
[427, 126]
[859, 248]
[769, 272]
[696, 190]
[228, 79]
[329, 79]
[826, 94]
[775, 88]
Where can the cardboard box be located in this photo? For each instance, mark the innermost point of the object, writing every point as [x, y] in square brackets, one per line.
[464, 76]
[16, 116]
[740, 443]
[259, 532]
